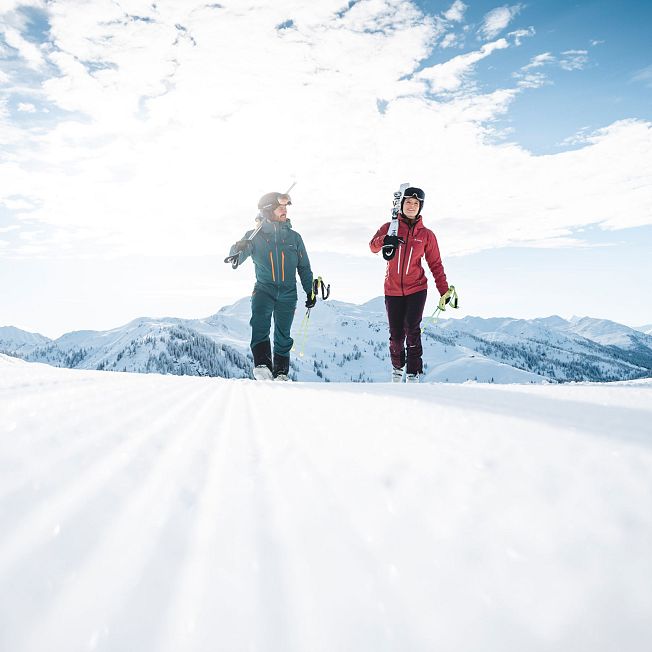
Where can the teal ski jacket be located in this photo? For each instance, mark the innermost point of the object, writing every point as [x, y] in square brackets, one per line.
[278, 254]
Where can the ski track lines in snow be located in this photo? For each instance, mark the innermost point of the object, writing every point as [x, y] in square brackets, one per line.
[162, 513]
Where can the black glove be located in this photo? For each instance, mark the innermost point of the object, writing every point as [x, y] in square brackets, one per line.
[392, 241]
[242, 245]
[311, 300]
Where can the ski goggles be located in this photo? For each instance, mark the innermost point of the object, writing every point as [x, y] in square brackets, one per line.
[279, 200]
[284, 200]
[415, 192]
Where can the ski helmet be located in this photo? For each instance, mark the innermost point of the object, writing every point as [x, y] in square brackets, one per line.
[417, 193]
[269, 202]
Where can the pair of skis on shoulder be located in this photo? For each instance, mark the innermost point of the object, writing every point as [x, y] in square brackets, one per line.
[260, 219]
[389, 250]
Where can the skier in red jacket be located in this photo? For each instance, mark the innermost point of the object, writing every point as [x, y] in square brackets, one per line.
[406, 283]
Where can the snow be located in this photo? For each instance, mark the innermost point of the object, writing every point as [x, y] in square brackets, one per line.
[161, 513]
[18, 337]
[348, 342]
[605, 332]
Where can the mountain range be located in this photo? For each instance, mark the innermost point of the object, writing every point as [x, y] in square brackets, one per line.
[349, 343]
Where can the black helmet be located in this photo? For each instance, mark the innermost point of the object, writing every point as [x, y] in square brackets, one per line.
[414, 192]
[272, 200]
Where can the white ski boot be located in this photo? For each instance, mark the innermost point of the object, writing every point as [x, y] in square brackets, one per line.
[397, 375]
[412, 378]
[263, 372]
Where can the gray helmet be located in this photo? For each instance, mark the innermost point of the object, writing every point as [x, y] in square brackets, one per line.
[269, 202]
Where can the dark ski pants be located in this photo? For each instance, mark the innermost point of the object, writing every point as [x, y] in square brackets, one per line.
[264, 305]
[404, 315]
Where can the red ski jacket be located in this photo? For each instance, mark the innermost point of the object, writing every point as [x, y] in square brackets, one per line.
[404, 273]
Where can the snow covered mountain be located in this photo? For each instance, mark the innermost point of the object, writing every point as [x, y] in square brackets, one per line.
[143, 345]
[164, 514]
[348, 342]
[16, 340]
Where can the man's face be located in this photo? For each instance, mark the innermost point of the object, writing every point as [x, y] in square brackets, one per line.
[280, 213]
[411, 207]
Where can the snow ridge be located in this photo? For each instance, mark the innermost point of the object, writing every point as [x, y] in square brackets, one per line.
[348, 343]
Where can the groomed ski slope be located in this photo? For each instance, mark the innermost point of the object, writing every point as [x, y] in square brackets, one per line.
[159, 513]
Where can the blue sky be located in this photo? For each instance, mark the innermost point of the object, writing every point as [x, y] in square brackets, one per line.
[136, 139]
[615, 80]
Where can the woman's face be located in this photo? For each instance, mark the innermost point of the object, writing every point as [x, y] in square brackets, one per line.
[411, 207]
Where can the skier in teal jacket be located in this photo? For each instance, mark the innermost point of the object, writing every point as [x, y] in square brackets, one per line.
[278, 254]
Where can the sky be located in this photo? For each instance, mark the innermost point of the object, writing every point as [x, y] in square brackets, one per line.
[136, 138]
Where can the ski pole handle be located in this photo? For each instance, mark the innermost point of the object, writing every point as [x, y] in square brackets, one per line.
[320, 285]
[388, 252]
[234, 260]
[325, 293]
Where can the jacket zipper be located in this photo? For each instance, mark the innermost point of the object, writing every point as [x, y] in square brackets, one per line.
[283, 266]
[406, 244]
[276, 239]
[271, 260]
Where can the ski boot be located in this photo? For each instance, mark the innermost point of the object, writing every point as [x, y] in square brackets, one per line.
[281, 367]
[262, 353]
[262, 372]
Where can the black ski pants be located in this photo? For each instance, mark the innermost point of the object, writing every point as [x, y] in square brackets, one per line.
[404, 315]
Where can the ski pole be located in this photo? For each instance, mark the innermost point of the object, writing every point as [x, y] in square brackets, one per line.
[305, 324]
[434, 318]
[325, 289]
[454, 302]
[302, 333]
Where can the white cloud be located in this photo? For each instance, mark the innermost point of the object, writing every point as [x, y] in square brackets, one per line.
[570, 60]
[26, 107]
[451, 75]
[30, 53]
[532, 80]
[574, 59]
[519, 34]
[497, 20]
[644, 75]
[179, 123]
[539, 60]
[451, 40]
[17, 204]
[456, 12]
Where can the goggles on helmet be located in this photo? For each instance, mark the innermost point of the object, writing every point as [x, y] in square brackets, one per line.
[414, 192]
[272, 200]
